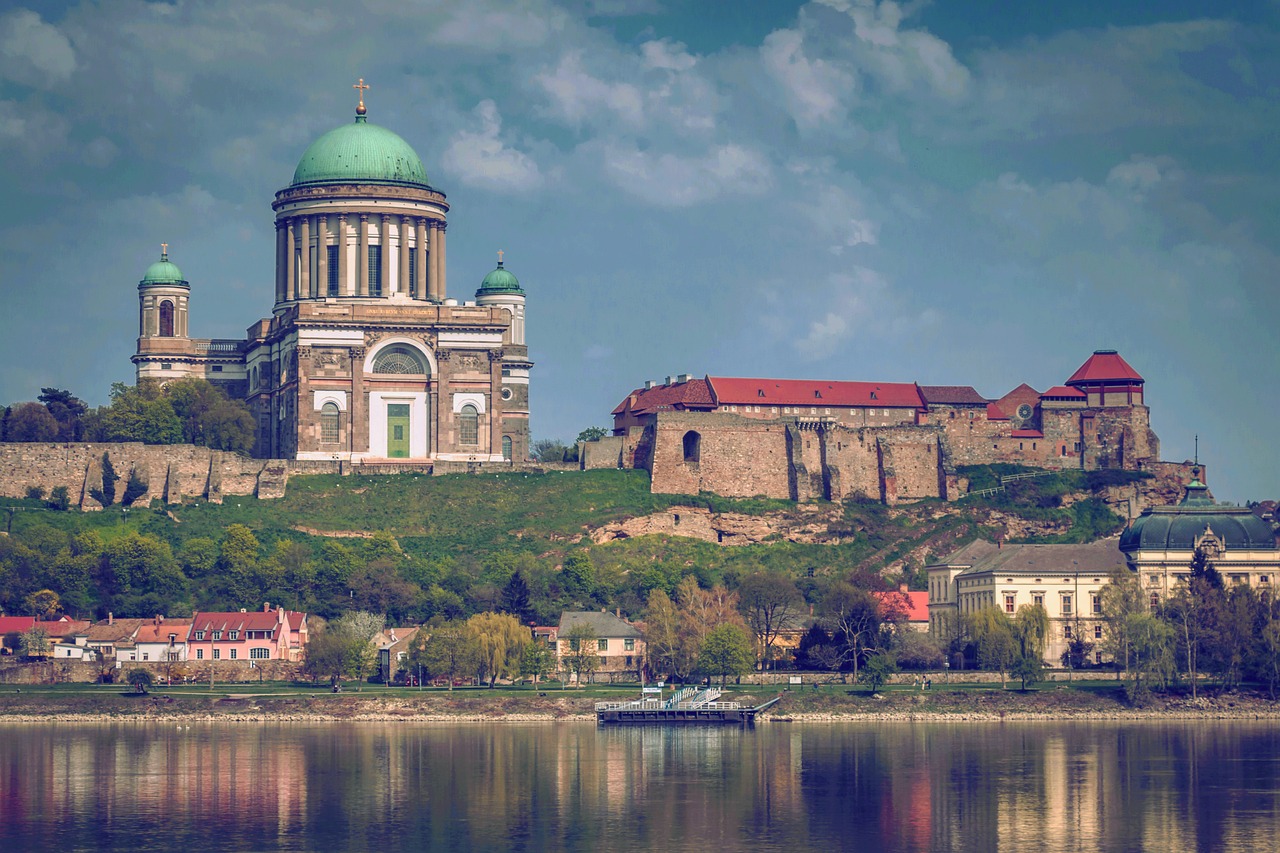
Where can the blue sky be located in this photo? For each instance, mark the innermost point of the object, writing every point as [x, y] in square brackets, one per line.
[952, 193]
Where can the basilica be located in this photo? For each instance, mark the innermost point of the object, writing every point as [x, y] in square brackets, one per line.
[365, 358]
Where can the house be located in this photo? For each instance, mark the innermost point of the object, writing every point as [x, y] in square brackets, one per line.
[911, 608]
[264, 634]
[393, 651]
[161, 640]
[618, 644]
[14, 625]
[105, 639]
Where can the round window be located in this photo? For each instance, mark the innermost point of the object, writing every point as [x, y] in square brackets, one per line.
[507, 394]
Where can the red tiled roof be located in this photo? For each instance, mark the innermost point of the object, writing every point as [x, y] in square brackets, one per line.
[994, 413]
[954, 394]
[296, 618]
[913, 605]
[153, 633]
[808, 392]
[253, 620]
[64, 627]
[1027, 433]
[693, 394]
[9, 624]
[1064, 391]
[1103, 366]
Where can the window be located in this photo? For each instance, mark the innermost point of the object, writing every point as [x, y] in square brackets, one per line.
[408, 286]
[217, 654]
[233, 654]
[259, 654]
[1097, 631]
[331, 254]
[199, 654]
[217, 635]
[507, 394]
[573, 645]
[1096, 601]
[1066, 632]
[329, 420]
[375, 270]
[1155, 600]
[166, 319]
[217, 368]
[692, 447]
[1038, 599]
[1008, 602]
[506, 447]
[235, 635]
[602, 645]
[629, 644]
[146, 656]
[468, 425]
[199, 635]
[1066, 605]
[399, 359]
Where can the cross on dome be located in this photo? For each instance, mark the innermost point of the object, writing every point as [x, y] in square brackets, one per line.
[360, 87]
[499, 257]
[164, 251]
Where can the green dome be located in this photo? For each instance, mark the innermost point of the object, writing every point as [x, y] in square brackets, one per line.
[1178, 527]
[163, 271]
[499, 281]
[360, 153]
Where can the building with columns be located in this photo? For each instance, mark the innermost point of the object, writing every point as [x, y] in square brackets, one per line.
[365, 356]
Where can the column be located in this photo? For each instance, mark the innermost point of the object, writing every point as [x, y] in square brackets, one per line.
[433, 397]
[405, 285]
[420, 286]
[384, 236]
[322, 255]
[443, 285]
[495, 402]
[281, 236]
[362, 259]
[305, 289]
[433, 272]
[344, 279]
[290, 268]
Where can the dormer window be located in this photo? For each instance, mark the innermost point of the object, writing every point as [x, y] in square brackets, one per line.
[235, 635]
[199, 635]
[217, 635]
[873, 396]
[817, 395]
[759, 392]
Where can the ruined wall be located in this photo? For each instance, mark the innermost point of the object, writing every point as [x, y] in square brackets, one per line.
[853, 463]
[736, 457]
[605, 452]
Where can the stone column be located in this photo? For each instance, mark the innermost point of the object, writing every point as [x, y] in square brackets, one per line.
[495, 402]
[362, 259]
[322, 255]
[433, 401]
[305, 289]
[281, 247]
[344, 280]
[443, 284]
[290, 269]
[384, 237]
[433, 270]
[404, 285]
[420, 285]
[358, 418]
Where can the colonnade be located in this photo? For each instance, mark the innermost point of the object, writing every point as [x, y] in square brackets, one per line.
[294, 242]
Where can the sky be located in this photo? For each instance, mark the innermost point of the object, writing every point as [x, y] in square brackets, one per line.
[952, 193]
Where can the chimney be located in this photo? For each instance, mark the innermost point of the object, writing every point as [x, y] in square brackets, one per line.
[902, 588]
[159, 619]
[649, 384]
[111, 618]
[266, 607]
[671, 380]
[617, 612]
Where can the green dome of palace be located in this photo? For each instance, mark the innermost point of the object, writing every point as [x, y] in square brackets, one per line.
[163, 271]
[499, 281]
[360, 153]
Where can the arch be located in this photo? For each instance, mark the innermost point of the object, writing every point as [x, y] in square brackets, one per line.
[166, 319]
[330, 423]
[425, 358]
[506, 447]
[692, 447]
[399, 359]
[469, 425]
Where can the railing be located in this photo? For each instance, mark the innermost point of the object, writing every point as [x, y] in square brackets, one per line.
[1006, 479]
[217, 346]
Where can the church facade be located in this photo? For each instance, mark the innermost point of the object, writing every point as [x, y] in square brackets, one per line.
[365, 357]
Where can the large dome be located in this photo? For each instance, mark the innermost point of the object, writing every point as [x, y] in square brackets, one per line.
[1178, 527]
[360, 153]
[163, 271]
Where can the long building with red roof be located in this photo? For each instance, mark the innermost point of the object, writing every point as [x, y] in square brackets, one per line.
[833, 439]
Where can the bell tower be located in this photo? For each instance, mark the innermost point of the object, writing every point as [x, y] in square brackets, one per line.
[163, 299]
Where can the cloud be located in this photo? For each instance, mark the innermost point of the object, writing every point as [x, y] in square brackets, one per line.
[34, 53]
[849, 300]
[577, 95]
[666, 54]
[479, 158]
[815, 88]
[672, 180]
[492, 26]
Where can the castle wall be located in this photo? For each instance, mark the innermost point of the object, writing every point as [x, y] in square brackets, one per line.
[736, 457]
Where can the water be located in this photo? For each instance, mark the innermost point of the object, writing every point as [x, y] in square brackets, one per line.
[388, 787]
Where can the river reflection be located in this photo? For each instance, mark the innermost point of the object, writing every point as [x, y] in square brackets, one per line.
[387, 787]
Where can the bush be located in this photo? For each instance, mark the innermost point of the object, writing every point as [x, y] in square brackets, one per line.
[35, 493]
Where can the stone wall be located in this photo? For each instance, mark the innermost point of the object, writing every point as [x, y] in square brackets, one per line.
[605, 452]
[733, 456]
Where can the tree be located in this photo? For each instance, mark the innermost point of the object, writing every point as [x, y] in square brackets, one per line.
[726, 650]
[447, 651]
[852, 617]
[35, 642]
[358, 628]
[137, 413]
[591, 434]
[515, 596]
[579, 575]
[68, 410]
[549, 450]
[667, 651]
[583, 655]
[1151, 649]
[141, 679]
[768, 601]
[1028, 668]
[30, 422]
[877, 670]
[499, 639]
[916, 650]
[44, 604]
[997, 647]
[536, 661]
[209, 418]
[237, 564]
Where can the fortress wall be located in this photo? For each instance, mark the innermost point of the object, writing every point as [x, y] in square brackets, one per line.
[738, 457]
[605, 452]
[853, 463]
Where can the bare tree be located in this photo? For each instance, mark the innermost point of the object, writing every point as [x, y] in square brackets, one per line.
[769, 601]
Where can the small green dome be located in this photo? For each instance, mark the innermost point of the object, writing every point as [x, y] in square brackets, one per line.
[499, 281]
[360, 153]
[163, 271]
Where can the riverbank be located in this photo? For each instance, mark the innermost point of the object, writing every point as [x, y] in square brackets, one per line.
[831, 703]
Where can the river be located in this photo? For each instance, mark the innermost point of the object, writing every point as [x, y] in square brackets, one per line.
[1211, 786]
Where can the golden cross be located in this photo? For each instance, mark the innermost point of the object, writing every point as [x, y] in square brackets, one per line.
[164, 248]
[360, 87]
[499, 257]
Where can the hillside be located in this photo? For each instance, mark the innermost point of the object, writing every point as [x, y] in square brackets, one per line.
[414, 546]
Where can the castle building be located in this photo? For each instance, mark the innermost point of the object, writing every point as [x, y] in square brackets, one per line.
[365, 357]
[891, 441]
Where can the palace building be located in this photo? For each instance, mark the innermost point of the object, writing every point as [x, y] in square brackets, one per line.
[365, 357]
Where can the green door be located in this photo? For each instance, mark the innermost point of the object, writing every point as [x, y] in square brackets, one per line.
[398, 430]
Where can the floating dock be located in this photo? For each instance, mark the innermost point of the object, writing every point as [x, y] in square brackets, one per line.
[696, 705]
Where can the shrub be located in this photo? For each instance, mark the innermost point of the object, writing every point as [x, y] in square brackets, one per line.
[35, 493]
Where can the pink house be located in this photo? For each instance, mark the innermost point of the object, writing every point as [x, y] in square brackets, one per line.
[247, 635]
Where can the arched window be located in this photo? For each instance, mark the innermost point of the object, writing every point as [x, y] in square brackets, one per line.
[329, 423]
[506, 447]
[692, 446]
[166, 319]
[399, 359]
[468, 425]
